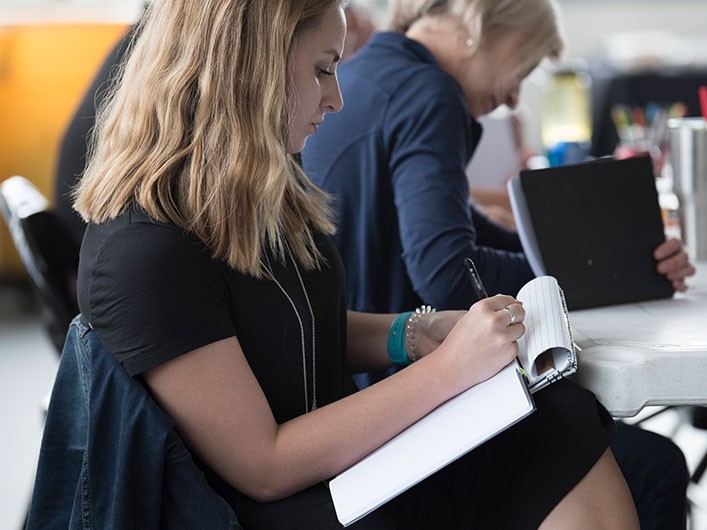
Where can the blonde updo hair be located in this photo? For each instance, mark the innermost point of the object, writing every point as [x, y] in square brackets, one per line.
[488, 20]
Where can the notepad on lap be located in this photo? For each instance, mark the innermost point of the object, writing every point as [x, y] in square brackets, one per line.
[594, 227]
[469, 419]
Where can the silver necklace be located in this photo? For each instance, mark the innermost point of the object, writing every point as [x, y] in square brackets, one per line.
[307, 406]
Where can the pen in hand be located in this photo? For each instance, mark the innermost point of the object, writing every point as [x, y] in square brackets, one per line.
[476, 282]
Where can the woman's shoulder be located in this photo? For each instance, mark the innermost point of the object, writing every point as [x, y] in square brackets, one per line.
[133, 252]
[134, 270]
[135, 234]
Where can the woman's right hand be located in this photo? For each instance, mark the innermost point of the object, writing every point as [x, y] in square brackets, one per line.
[483, 341]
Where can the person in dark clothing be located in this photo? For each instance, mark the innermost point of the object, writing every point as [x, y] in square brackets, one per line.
[208, 271]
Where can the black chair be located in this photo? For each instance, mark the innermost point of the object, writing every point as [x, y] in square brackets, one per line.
[49, 255]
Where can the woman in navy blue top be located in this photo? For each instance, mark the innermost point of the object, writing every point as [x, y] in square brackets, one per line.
[394, 159]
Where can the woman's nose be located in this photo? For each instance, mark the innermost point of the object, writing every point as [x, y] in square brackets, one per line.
[332, 101]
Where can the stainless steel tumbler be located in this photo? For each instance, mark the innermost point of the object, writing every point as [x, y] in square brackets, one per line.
[688, 147]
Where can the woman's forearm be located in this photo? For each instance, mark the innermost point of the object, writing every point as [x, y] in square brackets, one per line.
[367, 340]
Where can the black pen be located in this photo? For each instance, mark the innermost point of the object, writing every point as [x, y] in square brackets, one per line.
[476, 282]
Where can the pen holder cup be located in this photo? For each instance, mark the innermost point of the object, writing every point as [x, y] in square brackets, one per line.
[642, 147]
[688, 154]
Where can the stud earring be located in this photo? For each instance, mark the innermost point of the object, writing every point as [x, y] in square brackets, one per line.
[469, 43]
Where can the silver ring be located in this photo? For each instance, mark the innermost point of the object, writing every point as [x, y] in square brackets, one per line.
[511, 315]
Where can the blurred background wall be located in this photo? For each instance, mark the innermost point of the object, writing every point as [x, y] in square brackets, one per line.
[50, 49]
[49, 52]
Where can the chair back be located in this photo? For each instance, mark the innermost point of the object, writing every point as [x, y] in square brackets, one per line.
[48, 253]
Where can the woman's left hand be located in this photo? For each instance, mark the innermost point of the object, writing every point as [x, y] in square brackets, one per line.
[674, 263]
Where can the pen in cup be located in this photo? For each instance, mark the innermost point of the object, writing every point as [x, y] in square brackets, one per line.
[476, 282]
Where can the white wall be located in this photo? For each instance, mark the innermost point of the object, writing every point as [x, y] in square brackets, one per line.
[587, 22]
[20, 11]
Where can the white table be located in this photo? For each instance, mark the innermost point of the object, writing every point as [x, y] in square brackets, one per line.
[646, 353]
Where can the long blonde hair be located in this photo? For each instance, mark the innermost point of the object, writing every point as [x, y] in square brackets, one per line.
[488, 20]
[195, 130]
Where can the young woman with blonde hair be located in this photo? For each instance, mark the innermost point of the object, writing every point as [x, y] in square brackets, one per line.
[207, 270]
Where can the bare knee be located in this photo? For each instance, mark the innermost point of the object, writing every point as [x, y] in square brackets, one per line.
[600, 501]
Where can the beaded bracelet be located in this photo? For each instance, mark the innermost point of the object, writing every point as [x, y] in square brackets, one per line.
[402, 340]
[410, 342]
[396, 340]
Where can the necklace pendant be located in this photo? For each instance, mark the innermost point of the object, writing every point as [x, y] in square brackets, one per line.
[307, 408]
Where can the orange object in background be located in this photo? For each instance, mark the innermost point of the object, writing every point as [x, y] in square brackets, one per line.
[44, 71]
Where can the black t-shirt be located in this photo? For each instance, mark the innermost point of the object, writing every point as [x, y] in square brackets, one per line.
[152, 292]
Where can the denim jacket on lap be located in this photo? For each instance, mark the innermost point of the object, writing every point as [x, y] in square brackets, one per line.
[110, 458]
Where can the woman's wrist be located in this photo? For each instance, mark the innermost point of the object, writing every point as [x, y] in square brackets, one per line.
[403, 336]
[396, 340]
[411, 341]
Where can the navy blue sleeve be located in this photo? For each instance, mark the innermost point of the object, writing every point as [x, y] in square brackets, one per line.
[492, 234]
[432, 146]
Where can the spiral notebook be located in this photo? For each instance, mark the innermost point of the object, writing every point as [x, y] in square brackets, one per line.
[593, 226]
